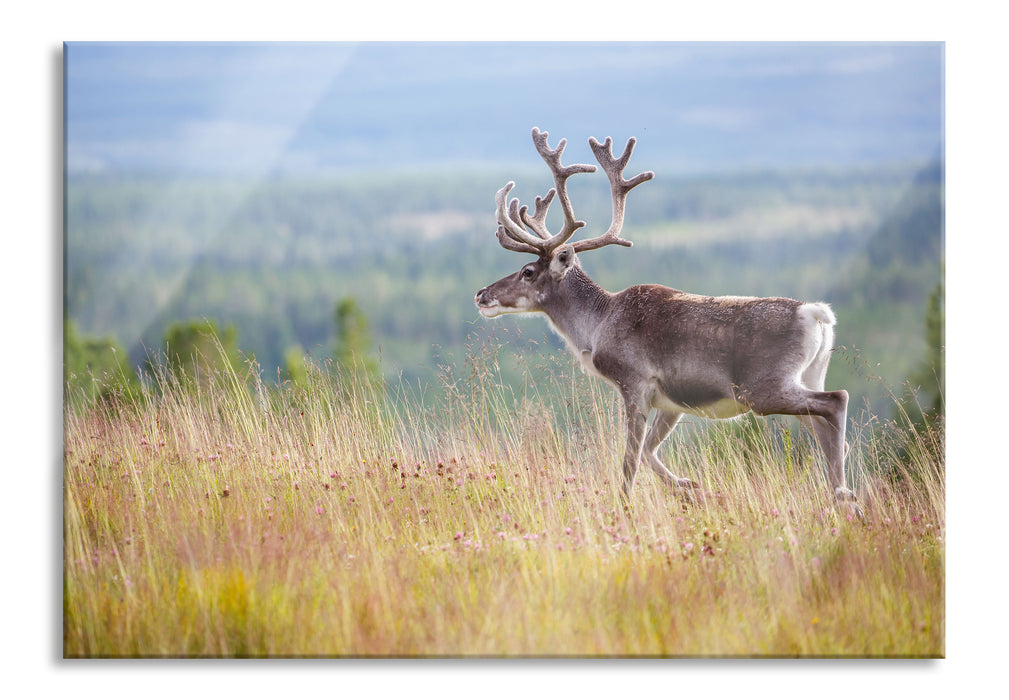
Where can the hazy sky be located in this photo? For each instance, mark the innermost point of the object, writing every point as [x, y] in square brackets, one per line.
[255, 109]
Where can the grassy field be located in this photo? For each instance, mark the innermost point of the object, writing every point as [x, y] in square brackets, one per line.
[331, 519]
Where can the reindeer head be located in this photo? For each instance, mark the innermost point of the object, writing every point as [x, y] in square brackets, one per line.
[527, 289]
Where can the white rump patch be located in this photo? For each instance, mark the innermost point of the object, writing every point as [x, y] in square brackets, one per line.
[819, 312]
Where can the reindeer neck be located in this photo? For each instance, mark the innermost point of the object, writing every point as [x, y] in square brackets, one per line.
[577, 309]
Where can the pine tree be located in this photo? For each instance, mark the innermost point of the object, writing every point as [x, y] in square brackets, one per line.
[353, 340]
[96, 368]
[295, 368]
[197, 350]
[930, 376]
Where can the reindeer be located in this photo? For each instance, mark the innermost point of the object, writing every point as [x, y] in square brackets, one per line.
[664, 349]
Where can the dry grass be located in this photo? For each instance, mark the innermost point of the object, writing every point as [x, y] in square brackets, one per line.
[332, 520]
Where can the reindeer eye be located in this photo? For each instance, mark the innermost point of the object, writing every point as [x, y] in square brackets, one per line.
[527, 273]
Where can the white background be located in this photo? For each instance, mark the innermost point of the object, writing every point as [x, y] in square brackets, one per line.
[30, 169]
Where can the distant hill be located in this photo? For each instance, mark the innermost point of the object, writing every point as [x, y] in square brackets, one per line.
[883, 290]
[274, 258]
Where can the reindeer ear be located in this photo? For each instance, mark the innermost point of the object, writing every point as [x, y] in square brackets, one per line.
[562, 261]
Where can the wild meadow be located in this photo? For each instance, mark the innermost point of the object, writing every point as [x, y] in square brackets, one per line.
[219, 516]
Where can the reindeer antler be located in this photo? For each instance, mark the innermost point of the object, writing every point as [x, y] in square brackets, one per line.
[513, 219]
[510, 233]
[619, 187]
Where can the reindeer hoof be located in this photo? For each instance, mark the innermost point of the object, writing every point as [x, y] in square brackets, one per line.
[847, 497]
[687, 484]
[854, 510]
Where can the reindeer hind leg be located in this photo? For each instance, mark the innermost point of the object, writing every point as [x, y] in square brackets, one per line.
[829, 428]
[825, 414]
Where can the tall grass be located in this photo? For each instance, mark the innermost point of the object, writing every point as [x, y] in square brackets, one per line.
[338, 518]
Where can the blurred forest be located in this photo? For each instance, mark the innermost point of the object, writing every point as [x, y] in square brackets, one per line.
[381, 270]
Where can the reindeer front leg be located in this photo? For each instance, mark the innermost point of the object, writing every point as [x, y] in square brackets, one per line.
[663, 424]
[636, 418]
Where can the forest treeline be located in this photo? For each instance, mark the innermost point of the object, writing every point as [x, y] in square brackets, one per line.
[154, 265]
